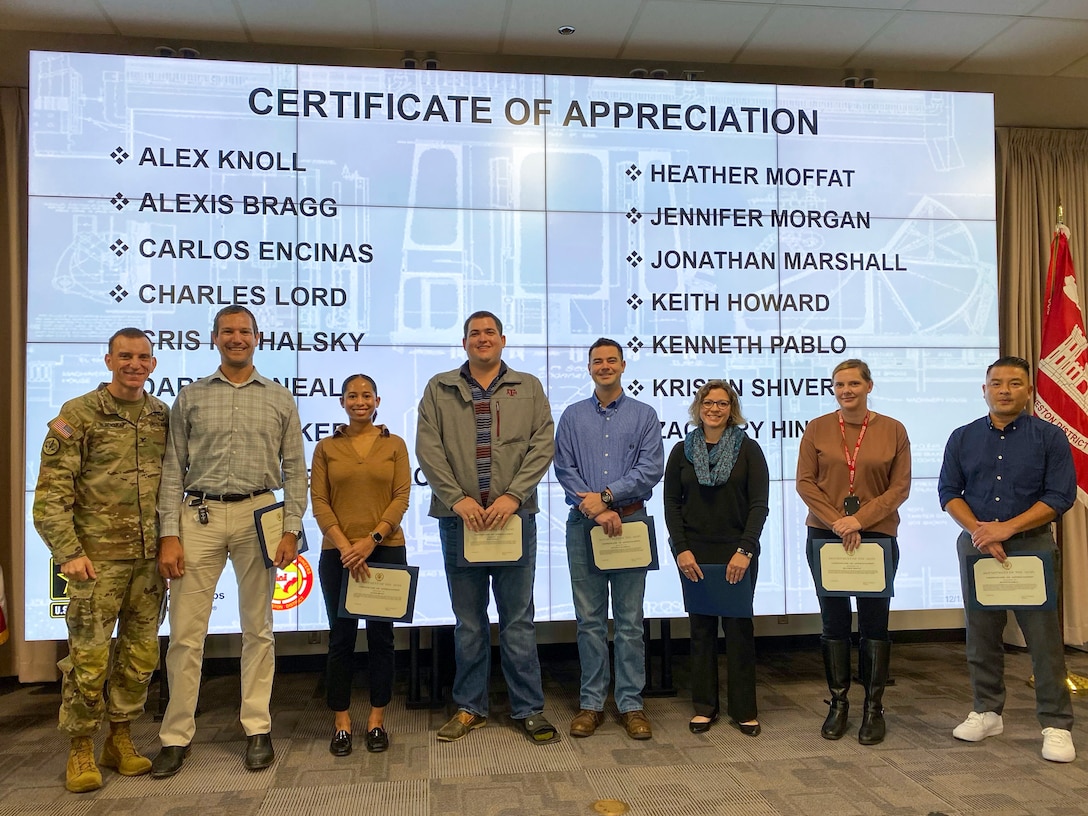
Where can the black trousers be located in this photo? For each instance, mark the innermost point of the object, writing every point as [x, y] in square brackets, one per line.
[343, 632]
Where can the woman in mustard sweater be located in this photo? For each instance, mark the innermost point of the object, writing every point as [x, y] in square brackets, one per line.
[359, 485]
[853, 473]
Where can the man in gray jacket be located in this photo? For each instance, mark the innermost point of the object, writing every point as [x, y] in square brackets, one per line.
[484, 441]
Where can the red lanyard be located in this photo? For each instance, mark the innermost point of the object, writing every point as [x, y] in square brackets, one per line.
[851, 461]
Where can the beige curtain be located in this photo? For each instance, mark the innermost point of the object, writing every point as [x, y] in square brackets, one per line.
[1037, 169]
[32, 662]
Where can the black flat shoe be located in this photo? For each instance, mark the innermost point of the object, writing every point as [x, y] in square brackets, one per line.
[341, 743]
[748, 730]
[702, 727]
[169, 761]
[377, 740]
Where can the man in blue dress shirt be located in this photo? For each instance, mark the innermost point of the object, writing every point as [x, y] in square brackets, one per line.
[608, 457]
[1005, 477]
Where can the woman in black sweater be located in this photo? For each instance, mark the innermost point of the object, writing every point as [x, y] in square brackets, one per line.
[716, 487]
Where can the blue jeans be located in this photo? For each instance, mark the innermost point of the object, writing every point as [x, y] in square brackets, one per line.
[590, 590]
[513, 589]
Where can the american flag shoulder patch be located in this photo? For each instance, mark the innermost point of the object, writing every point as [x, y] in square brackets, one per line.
[61, 428]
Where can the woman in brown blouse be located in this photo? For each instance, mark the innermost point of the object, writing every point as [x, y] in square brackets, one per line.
[359, 484]
[853, 473]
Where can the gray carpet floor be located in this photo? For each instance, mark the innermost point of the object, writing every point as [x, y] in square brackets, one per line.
[789, 769]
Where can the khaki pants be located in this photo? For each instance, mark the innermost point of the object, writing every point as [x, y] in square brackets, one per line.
[230, 531]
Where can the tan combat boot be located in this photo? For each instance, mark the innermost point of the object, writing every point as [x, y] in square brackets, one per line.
[119, 752]
[82, 774]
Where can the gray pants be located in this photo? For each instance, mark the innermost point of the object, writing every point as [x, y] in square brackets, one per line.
[986, 654]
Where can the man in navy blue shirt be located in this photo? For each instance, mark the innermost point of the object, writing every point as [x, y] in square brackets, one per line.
[1005, 477]
[608, 457]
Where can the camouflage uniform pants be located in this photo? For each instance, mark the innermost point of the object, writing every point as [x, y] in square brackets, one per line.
[127, 594]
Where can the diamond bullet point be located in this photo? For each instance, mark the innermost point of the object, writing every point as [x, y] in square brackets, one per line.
[119, 154]
[633, 215]
[118, 293]
[635, 344]
[119, 201]
[633, 172]
[634, 258]
[119, 247]
[635, 301]
[635, 388]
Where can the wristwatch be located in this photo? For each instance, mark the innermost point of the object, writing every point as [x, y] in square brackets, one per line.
[746, 552]
[378, 537]
[295, 533]
[607, 498]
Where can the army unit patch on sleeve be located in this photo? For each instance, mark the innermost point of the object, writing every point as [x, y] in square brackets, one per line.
[50, 446]
[61, 428]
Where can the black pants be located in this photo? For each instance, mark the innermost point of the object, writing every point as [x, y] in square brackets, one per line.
[343, 632]
[835, 612]
[740, 661]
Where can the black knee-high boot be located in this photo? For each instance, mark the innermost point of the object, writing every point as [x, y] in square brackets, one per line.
[837, 667]
[876, 654]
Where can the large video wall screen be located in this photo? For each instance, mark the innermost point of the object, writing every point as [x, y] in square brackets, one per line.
[755, 232]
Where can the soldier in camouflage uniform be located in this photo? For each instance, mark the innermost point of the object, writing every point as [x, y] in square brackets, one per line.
[94, 506]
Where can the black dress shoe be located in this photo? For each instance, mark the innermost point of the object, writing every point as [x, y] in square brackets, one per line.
[751, 730]
[341, 743]
[377, 740]
[702, 727]
[259, 753]
[169, 761]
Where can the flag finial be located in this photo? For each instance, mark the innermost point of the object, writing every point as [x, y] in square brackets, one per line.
[1061, 213]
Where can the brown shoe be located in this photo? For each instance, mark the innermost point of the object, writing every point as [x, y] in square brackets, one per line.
[638, 727]
[585, 723]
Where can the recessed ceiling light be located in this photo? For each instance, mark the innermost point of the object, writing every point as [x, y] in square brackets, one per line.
[566, 30]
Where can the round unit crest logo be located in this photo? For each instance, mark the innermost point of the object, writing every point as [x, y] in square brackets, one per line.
[293, 585]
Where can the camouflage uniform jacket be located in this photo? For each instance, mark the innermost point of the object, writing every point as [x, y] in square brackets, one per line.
[99, 480]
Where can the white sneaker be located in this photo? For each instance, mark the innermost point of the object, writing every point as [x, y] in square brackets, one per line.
[979, 726]
[1058, 745]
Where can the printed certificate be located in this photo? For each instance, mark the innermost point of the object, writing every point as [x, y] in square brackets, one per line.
[714, 595]
[388, 594]
[634, 548]
[1024, 581]
[865, 572]
[269, 523]
[501, 547]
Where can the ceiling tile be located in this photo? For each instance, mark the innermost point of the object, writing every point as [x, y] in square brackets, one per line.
[1013, 7]
[1031, 47]
[921, 41]
[53, 15]
[814, 37]
[710, 31]
[172, 20]
[1066, 9]
[601, 27]
[340, 23]
[429, 25]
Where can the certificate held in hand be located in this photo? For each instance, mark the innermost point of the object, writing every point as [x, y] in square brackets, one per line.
[1023, 581]
[635, 548]
[389, 594]
[269, 523]
[714, 595]
[502, 547]
[865, 572]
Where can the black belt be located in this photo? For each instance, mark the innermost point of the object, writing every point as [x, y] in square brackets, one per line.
[630, 509]
[227, 497]
[1042, 529]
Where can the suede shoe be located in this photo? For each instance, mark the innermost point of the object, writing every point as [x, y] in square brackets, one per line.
[978, 726]
[259, 753]
[459, 725]
[81, 774]
[119, 753]
[637, 726]
[169, 761]
[585, 723]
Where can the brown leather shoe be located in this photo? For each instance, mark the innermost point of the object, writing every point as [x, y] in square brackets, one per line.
[638, 727]
[585, 723]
